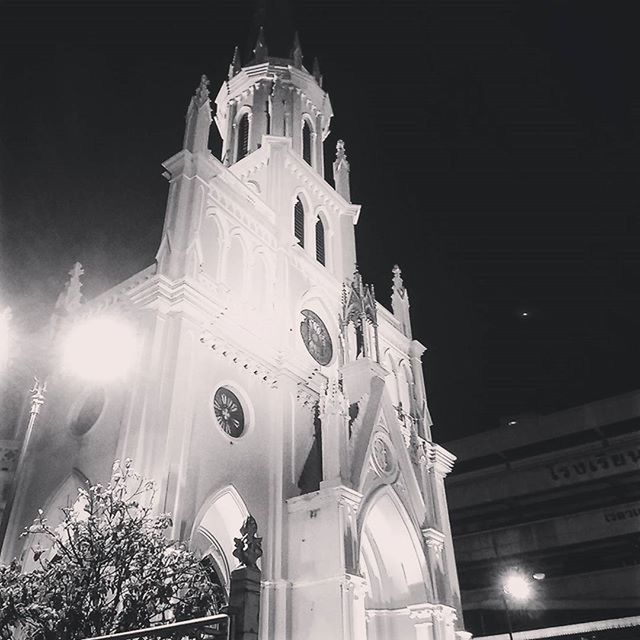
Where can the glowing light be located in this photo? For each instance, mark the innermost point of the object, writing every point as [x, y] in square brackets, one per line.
[539, 576]
[525, 314]
[517, 586]
[99, 349]
[5, 335]
[512, 422]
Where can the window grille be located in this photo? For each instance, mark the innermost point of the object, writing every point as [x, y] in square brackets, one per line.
[306, 142]
[243, 137]
[320, 256]
[298, 222]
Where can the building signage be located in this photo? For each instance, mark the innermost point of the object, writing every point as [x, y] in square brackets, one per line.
[601, 464]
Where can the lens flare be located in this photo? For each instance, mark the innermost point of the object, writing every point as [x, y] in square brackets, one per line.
[517, 587]
[100, 349]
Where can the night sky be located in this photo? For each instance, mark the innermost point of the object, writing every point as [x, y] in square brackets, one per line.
[494, 147]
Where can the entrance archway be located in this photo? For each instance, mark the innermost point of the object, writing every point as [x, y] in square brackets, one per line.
[393, 563]
[217, 524]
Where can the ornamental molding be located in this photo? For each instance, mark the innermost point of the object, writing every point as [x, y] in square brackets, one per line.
[123, 291]
[340, 496]
[216, 200]
[433, 539]
[321, 189]
[442, 460]
[244, 360]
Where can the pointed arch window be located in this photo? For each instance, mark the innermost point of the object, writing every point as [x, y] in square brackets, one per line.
[320, 253]
[243, 137]
[298, 221]
[306, 142]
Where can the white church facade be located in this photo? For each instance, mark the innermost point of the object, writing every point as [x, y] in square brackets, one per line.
[269, 382]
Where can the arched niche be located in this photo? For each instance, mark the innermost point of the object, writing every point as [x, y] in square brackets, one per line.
[261, 282]
[393, 563]
[235, 266]
[217, 524]
[211, 242]
[64, 496]
[405, 385]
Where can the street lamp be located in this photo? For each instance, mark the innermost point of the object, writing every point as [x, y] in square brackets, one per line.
[99, 349]
[95, 349]
[517, 587]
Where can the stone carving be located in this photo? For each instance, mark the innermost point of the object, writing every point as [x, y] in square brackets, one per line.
[384, 462]
[202, 92]
[249, 546]
[359, 309]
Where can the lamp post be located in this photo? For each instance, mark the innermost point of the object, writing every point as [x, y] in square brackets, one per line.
[517, 587]
[96, 349]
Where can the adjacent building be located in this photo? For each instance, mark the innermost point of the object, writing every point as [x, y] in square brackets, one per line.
[556, 498]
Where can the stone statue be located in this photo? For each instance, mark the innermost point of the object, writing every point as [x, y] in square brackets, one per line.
[249, 545]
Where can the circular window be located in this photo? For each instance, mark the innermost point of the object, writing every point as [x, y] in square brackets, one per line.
[228, 412]
[316, 338]
[90, 410]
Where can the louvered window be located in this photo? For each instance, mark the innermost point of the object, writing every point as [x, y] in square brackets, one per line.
[298, 222]
[320, 242]
[243, 137]
[306, 142]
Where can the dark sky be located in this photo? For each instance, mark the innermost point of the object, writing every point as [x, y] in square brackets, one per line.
[494, 146]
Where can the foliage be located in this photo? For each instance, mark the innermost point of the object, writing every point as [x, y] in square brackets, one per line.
[109, 568]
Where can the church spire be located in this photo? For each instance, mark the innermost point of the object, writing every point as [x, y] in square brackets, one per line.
[341, 172]
[296, 52]
[400, 301]
[196, 135]
[260, 51]
[317, 76]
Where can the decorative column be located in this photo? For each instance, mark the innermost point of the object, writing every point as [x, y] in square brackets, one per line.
[422, 616]
[327, 596]
[244, 594]
[441, 464]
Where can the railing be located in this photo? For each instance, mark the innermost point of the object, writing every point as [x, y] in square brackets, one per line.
[209, 628]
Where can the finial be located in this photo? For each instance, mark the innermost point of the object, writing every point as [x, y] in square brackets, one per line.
[341, 170]
[249, 545]
[260, 51]
[202, 92]
[236, 64]
[71, 298]
[316, 71]
[400, 301]
[397, 279]
[296, 51]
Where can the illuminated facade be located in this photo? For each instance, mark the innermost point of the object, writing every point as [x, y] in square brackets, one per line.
[270, 381]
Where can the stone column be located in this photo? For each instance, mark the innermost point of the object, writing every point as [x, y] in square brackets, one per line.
[244, 603]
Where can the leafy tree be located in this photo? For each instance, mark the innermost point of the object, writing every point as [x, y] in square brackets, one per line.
[108, 568]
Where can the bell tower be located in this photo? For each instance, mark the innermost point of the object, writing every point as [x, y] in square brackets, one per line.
[271, 96]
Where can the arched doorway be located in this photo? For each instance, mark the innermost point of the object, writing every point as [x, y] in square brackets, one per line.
[217, 524]
[393, 563]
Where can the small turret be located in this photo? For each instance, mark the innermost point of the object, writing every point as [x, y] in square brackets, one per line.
[400, 301]
[196, 134]
[341, 172]
[236, 64]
